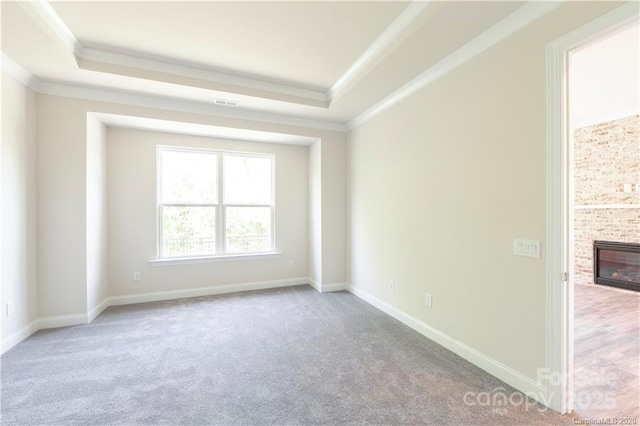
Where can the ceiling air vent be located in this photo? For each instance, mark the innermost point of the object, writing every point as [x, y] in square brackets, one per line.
[226, 102]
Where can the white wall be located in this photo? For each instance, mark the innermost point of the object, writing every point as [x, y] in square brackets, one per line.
[97, 258]
[132, 216]
[315, 212]
[441, 184]
[19, 275]
[603, 78]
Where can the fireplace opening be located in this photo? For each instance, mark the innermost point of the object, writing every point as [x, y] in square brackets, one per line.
[617, 264]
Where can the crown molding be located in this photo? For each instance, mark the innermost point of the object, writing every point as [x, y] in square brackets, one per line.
[189, 74]
[175, 72]
[20, 74]
[512, 23]
[189, 106]
[23, 76]
[47, 18]
[504, 28]
[392, 34]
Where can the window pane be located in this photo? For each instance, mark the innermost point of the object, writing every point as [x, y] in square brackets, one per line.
[247, 180]
[189, 177]
[188, 231]
[248, 229]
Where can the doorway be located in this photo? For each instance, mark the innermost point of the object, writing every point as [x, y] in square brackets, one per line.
[604, 223]
[561, 215]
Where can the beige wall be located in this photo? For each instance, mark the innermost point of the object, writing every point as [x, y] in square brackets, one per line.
[334, 227]
[19, 274]
[441, 184]
[132, 216]
[63, 222]
[62, 204]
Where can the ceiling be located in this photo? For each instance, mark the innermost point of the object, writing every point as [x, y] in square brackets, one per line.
[327, 61]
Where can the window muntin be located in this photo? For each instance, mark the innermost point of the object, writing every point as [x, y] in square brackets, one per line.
[193, 220]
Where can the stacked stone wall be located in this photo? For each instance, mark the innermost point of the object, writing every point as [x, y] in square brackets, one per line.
[606, 188]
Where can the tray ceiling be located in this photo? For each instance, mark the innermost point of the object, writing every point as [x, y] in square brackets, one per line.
[325, 61]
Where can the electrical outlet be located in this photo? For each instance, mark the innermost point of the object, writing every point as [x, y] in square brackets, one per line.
[8, 311]
[291, 264]
[137, 276]
[392, 285]
[428, 300]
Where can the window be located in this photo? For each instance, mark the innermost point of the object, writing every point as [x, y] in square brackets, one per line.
[212, 203]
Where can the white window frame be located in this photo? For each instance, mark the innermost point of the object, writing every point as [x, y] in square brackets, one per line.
[220, 207]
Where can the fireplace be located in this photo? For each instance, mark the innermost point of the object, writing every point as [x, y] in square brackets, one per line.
[617, 264]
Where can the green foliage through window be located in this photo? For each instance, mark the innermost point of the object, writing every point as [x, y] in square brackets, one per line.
[194, 220]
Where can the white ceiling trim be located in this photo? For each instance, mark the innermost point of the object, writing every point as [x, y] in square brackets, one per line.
[14, 69]
[51, 22]
[501, 30]
[193, 129]
[23, 76]
[393, 32]
[128, 65]
[157, 102]
[517, 20]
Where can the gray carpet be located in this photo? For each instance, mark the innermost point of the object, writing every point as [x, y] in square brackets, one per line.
[283, 356]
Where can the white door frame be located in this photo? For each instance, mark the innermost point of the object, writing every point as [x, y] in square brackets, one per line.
[559, 283]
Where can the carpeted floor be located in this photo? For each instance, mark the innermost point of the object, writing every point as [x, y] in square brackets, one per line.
[283, 356]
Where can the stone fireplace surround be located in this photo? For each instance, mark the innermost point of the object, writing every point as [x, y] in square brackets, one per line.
[606, 189]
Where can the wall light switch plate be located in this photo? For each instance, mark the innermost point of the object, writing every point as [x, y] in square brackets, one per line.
[627, 187]
[527, 248]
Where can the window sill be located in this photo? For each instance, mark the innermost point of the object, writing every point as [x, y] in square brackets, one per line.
[212, 259]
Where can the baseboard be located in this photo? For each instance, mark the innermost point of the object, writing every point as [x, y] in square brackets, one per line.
[327, 288]
[63, 321]
[204, 291]
[315, 284]
[79, 319]
[18, 336]
[513, 378]
[93, 313]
